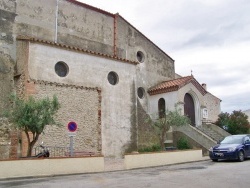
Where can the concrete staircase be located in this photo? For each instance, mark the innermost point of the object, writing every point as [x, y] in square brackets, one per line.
[206, 135]
[196, 135]
[211, 133]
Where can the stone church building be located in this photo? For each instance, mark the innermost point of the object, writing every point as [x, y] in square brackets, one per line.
[107, 75]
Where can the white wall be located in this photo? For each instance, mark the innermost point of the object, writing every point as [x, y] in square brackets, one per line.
[50, 167]
[92, 71]
[164, 158]
[171, 99]
[177, 97]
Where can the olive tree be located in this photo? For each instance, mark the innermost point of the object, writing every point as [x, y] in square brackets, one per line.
[32, 115]
[163, 123]
[234, 123]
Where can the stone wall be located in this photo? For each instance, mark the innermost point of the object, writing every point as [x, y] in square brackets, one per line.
[7, 51]
[213, 106]
[5, 140]
[78, 104]
[6, 81]
[86, 28]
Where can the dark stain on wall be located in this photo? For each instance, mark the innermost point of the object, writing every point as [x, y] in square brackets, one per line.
[133, 139]
[35, 31]
[6, 22]
[86, 44]
[147, 135]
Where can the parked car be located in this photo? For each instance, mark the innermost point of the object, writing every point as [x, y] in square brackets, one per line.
[234, 147]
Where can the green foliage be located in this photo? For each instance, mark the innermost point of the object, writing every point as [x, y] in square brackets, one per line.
[223, 120]
[163, 124]
[152, 148]
[234, 123]
[33, 115]
[182, 144]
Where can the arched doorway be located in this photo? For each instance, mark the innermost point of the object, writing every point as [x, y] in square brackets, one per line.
[189, 108]
[161, 108]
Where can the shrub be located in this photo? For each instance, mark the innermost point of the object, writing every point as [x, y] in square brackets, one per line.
[153, 148]
[182, 144]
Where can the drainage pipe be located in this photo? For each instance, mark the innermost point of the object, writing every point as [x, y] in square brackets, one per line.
[56, 19]
[115, 34]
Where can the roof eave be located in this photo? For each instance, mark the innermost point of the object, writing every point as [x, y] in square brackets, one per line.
[73, 48]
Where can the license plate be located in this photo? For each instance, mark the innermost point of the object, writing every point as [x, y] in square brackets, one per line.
[219, 154]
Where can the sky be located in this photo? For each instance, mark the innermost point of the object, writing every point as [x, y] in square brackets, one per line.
[211, 38]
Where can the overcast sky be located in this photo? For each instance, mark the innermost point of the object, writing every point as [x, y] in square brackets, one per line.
[209, 37]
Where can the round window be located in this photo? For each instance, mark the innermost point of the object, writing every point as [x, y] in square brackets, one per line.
[140, 56]
[140, 92]
[61, 69]
[113, 78]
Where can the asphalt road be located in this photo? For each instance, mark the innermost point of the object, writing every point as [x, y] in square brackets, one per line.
[205, 174]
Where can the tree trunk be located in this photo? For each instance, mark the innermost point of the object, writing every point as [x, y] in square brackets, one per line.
[29, 151]
[162, 144]
[162, 139]
[31, 143]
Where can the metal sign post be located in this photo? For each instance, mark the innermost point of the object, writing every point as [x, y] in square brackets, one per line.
[72, 126]
[71, 143]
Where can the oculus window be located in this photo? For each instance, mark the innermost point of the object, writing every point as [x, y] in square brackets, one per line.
[113, 78]
[140, 92]
[61, 69]
[140, 56]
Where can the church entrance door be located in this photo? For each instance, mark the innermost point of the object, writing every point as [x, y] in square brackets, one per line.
[189, 108]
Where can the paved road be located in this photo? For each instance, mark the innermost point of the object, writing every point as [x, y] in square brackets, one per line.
[205, 174]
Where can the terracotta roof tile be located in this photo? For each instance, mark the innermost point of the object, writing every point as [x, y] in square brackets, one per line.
[174, 85]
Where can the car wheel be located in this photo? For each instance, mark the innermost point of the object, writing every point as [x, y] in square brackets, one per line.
[241, 156]
[215, 160]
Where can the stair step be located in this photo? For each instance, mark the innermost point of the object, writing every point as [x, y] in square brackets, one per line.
[211, 133]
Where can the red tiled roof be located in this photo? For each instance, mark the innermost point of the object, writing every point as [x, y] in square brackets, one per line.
[175, 85]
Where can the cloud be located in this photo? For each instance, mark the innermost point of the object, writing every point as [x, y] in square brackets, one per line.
[209, 37]
[199, 23]
[235, 102]
[225, 70]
